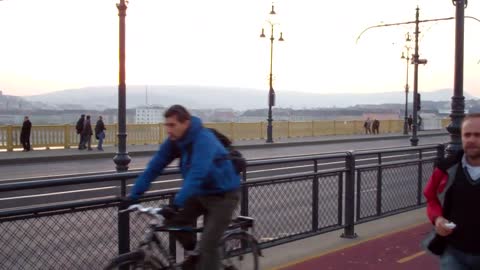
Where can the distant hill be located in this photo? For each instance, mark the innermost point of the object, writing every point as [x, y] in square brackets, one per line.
[202, 97]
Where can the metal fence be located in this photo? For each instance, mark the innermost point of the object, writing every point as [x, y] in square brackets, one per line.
[337, 191]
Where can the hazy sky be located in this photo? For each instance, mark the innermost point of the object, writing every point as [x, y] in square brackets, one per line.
[49, 45]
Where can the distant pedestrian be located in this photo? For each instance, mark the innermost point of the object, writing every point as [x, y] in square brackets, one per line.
[100, 133]
[410, 122]
[87, 134]
[79, 128]
[375, 126]
[368, 126]
[25, 134]
[419, 127]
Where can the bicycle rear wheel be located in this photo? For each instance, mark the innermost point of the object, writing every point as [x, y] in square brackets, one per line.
[239, 251]
[131, 261]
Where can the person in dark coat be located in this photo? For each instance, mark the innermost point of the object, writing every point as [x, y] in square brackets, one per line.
[79, 128]
[100, 133]
[25, 134]
[376, 126]
[410, 122]
[87, 134]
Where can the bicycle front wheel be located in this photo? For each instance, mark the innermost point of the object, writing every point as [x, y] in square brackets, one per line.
[129, 261]
[239, 251]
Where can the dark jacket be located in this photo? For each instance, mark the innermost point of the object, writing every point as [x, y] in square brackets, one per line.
[87, 129]
[79, 126]
[208, 172]
[439, 183]
[99, 127]
[26, 129]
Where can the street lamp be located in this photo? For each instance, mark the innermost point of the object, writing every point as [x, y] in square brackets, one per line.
[407, 61]
[271, 92]
[122, 159]
[458, 100]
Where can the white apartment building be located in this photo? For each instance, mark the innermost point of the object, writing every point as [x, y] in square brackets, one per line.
[149, 114]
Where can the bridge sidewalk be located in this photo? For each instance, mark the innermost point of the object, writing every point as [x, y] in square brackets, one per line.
[389, 243]
[40, 154]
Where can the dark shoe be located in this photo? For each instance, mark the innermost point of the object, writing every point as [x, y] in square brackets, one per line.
[190, 262]
[90, 149]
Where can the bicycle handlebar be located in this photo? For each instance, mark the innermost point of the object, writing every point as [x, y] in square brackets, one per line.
[151, 211]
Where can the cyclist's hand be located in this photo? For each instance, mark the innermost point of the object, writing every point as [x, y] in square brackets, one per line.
[168, 211]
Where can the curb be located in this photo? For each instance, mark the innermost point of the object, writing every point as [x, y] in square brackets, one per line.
[23, 160]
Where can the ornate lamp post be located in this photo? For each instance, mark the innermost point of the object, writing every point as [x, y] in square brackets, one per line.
[122, 159]
[458, 100]
[407, 61]
[271, 92]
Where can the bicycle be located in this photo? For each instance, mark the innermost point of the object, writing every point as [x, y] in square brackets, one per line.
[239, 249]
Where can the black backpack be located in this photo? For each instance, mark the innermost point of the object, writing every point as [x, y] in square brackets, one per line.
[238, 161]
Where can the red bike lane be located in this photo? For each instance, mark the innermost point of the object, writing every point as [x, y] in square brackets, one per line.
[399, 250]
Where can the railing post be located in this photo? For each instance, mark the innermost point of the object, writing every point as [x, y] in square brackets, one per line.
[419, 180]
[160, 133]
[172, 243]
[244, 200]
[66, 137]
[9, 138]
[313, 130]
[123, 223]
[288, 129]
[349, 230]
[315, 199]
[379, 185]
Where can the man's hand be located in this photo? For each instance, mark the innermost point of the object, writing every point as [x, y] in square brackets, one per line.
[169, 211]
[440, 227]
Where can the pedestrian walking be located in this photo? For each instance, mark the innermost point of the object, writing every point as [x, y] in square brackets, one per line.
[410, 122]
[376, 126]
[100, 133]
[87, 134]
[368, 126]
[453, 193]
[420, 127]
[25, 134]
[79, 128]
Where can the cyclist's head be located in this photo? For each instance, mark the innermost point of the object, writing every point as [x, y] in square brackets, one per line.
[177, 121]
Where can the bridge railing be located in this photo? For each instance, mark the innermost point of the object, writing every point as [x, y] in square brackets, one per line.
[138, 134]
[322, 193]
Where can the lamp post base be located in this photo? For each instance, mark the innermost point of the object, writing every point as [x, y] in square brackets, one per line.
[121, 161]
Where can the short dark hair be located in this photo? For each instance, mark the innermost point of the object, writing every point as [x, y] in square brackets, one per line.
[179, 111]
[470, 116]
[88, 116]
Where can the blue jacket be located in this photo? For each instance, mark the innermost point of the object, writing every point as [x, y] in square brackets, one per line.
[207, 172]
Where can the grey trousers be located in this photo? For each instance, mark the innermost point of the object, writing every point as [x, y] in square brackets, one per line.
[217, 211]
[454, 259]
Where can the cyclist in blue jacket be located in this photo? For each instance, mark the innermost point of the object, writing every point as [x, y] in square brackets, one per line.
[210, 186]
